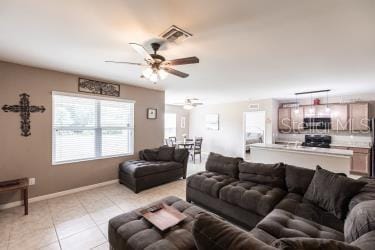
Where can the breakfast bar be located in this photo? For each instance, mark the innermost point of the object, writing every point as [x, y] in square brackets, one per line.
[335, 160]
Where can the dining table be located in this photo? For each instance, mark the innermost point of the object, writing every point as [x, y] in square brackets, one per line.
[185, 144]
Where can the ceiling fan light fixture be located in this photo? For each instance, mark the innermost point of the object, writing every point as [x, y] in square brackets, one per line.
[147, 72]
[163, 74]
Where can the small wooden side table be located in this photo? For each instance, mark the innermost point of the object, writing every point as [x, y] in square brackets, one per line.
[17, 184]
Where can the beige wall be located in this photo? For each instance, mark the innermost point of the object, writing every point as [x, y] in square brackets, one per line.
[180, 112]
[32, 156]
[229, 140]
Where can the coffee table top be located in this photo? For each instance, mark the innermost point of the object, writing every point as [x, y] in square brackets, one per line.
[15, 184]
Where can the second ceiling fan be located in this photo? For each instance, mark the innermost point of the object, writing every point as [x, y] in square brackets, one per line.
[157, 67]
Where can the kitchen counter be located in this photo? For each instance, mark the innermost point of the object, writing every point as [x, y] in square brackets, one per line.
[333, 144]
[311, 150]
[335, 160]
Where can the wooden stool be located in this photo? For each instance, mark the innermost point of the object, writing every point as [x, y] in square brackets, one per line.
[17, 184]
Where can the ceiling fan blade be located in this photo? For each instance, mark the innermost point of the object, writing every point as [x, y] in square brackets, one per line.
[181, 61]
[131, 63]
[176, 72]
[142, 51]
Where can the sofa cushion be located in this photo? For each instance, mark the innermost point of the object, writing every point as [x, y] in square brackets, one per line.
[365, 194]
[297, 205]
[166, 153]
[180, 154]
[365, 242]
[131, 231]
[223, 164]
[283, 224]
[251, 196]
[332, 191]
[211, 233]
[311, 244]
[298, 179]
[267, 174]
[139, 168]
[360, 220]
[209, 182]
[150, 154]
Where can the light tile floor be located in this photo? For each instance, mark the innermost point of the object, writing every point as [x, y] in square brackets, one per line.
[80, 220]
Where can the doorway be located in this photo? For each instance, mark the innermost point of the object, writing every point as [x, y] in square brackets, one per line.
[254, 130]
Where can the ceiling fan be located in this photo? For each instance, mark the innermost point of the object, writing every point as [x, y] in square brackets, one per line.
[190, 103]
[157, 67]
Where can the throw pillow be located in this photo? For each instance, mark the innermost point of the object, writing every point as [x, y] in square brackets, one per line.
[150, 154]
[223, 164]
[298, 179]
[266, 174]
[360, 220]
[311, 244]
[332, 191]
[166, 153]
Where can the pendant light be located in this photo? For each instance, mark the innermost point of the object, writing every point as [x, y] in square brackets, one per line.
[328, 110]
[296, 109]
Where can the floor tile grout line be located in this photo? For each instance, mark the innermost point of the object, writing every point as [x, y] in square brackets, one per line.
[54, 226]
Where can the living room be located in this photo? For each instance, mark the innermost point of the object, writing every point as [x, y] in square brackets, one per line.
[187, 125]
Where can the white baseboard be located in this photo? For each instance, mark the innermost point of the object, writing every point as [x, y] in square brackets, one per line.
[58, 194]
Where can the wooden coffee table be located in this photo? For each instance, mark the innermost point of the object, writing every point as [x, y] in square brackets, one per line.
[17, 184]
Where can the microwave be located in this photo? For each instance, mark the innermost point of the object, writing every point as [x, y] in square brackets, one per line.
[317, 123]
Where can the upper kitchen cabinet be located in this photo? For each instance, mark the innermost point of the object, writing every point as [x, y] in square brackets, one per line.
[339, 117]
[297, 116]
[284, 119]
[358, 116]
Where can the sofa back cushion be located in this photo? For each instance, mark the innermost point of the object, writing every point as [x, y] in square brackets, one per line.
[366, 193]
[267, 174]
[149, 154]
[332, 191]
[360, 221]
[223, 164]
[166, 153]
[298, 179]
[311, 244]
[180, 154]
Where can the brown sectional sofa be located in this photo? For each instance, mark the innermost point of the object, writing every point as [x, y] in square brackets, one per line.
[270, 202]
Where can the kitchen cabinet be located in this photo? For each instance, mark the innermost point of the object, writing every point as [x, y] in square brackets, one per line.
[339, 117]
[285, 119]
[358, 116]
[297, 116]
[361, 160]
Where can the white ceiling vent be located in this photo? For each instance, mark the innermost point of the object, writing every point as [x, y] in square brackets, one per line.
[175, 34]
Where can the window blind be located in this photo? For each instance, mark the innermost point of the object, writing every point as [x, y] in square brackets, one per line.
[170, 127]
[86, 128]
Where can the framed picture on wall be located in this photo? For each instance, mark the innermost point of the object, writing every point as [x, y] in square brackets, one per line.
[212, 122]
[183, 121]
[152, 113]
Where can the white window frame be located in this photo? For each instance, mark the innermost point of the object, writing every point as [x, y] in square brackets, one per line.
[97, 138]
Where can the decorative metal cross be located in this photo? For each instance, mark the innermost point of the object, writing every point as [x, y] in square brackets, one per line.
[24, 109]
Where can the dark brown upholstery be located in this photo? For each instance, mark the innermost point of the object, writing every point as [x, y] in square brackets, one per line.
[152, 169]
[211, 233]
[283, 224]
[257, 198]
[360, 221]
[209, 182]
[131, 231]
[223, 164]
[302, 243]
[266, 174]
[298, 179]
[365, 242]
[297, 205]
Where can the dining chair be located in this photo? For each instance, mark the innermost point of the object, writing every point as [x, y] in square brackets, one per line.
[197, 150]
[173, 140]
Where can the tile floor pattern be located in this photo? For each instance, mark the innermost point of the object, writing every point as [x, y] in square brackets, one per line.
[80, 220]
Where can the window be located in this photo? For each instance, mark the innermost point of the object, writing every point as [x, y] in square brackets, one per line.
[86, 128]
[170, 122]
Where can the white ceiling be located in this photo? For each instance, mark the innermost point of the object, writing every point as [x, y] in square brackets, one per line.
[248, 49]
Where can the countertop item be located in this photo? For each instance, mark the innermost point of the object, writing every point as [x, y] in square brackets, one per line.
[302, 149]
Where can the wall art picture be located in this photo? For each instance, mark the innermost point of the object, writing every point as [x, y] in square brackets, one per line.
[152, 113]
[99, 88]
[183, 121]
[212, 122]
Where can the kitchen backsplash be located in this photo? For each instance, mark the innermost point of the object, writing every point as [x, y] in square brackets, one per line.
[364, 140]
